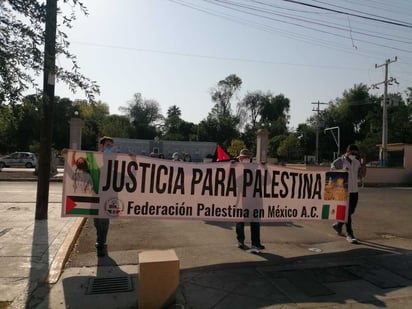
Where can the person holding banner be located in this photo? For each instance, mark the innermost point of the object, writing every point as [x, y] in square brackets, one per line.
[102, 224]
[244, 156]
[351, 162]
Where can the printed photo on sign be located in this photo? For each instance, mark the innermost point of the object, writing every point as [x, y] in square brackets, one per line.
[85, 174]
[336, 186]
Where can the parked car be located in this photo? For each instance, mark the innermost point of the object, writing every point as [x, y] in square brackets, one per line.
[22, 159]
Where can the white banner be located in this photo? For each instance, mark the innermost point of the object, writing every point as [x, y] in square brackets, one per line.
[110, 185]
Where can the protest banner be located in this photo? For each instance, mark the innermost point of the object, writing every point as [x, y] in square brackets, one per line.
[113, 185]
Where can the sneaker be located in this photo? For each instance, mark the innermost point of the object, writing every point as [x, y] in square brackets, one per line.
[241, 245]
[351, 239]
[338, 229]
[258, 247]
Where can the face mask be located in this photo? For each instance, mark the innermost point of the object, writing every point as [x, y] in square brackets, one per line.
[352, 157]
[108, 149]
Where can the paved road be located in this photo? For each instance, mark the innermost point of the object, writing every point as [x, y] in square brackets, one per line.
[207, 250]
[383, 216]
[305, 265]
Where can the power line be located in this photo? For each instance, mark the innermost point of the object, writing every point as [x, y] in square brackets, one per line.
[322, 24]
[252, 10]
[182, 54]
[401, 24]
[338, 6]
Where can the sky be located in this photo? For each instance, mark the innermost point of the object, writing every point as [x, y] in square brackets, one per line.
[176, 51]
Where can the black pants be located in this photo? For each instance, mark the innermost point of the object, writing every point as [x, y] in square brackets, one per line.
[102, 228]
[254, 232]
[353, 201]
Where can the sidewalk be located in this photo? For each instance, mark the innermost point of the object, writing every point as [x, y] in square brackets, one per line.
[304, 265]
[32, 252]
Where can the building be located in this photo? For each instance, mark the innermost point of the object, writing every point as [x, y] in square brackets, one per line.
[197, 150]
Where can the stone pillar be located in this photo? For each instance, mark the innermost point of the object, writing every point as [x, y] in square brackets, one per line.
[158, 278]
[76, 125]
[262, 145]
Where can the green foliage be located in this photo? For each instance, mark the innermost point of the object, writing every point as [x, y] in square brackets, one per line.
[115, 125]
[21, 49]
[288, 149]
[235, 147]
[177, 129]
[223, 94]
[359, 122]
[144, 116]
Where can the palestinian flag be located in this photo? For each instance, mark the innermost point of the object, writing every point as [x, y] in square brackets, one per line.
[74, 205]
[221, 154]
[334, 212]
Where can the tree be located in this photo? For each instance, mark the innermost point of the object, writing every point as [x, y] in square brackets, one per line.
[275, 114]
[235, 147]
[115, 125]
[145, 117]
[220, 124]
[250, 107]
[288, 149]
[223, 93]
[93, 114]
[22, 38]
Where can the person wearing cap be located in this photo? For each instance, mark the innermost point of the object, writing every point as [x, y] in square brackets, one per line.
[187, 157]
[352, 163]
[245, 156]
[175, 156]
[102, 224]
[106, 144]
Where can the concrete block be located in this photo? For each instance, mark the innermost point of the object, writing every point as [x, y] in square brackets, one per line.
[158, 278]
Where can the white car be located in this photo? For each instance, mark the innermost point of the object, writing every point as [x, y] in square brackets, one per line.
[21, 159]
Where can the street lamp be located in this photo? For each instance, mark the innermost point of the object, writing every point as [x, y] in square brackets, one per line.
[337, 140]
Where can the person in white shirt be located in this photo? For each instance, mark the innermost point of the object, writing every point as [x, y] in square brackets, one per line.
[245, 156]
[352, 163]
[102, 224]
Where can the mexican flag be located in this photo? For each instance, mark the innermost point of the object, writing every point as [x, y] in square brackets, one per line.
[334, 212]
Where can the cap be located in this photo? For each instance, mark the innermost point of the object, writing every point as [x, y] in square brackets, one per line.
[244, 153]
[175, 154]
[104, 139]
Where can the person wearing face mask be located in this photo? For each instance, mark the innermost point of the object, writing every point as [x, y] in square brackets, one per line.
[82, 181]
[244, 156]
[352, 163]
[102, 224]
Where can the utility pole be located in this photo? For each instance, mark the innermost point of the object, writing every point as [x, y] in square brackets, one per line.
[383, 156]
[46, 131]
[317, 109]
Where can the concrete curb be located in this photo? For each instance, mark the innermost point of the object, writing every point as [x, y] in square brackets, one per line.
[65, 250]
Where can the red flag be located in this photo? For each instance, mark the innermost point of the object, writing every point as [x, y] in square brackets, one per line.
[222, 155]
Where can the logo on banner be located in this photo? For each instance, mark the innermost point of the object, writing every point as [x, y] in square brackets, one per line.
[114, 207]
